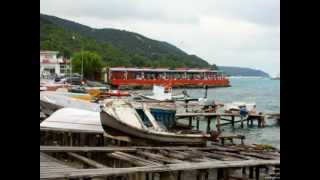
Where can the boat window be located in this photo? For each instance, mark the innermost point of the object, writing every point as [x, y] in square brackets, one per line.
[144, 118]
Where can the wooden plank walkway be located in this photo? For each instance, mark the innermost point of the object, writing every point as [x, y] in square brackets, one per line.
[105, 172]
[128, 149]
[151, 159]
[49, 165]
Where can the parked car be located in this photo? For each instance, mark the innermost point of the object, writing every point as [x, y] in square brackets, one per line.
[74, 80]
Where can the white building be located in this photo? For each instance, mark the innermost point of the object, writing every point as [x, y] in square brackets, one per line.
[50, 64]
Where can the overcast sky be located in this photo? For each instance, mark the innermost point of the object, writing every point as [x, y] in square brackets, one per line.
[225, 32]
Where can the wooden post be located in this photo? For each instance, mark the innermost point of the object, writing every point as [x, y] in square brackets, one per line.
[259, 122]
[250, 172]
[179, 175]
[190, 121]
[244, 170]
[71, 139]
[218, 123]
[241, 122]
[197, 123]
[257, 172]
[219, 174]
[226, 174]
[251, 121]
[209, 122]
[232, 121]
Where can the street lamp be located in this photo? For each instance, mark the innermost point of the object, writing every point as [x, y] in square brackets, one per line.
[73, 37]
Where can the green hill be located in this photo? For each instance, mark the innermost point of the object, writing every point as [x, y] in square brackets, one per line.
[117, 47]
[242, 71]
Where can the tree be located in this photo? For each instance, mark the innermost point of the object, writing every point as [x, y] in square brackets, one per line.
[92, 63]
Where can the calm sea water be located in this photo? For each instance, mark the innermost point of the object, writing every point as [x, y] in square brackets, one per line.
[264, 92]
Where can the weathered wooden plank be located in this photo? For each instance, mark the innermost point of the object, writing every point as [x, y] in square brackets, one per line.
[86, 160]
[105, 172]
[258, 155]
[218, 156]
[232, 154]
[159, 157]
[85, 149]
[205, 114]
[132, 159]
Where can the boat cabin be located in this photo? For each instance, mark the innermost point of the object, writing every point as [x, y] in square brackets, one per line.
[180, 77]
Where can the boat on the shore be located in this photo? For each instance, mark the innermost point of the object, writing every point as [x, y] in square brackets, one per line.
[52, 101]
[122, 116]
[162, 93]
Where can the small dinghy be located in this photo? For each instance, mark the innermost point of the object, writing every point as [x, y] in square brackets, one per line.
[120, 115]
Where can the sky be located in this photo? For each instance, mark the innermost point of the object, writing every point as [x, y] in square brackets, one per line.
[242, 33]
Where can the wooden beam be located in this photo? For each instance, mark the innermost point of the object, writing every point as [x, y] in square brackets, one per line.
[159, 157]
[135, 160]
[86, 160]
[105, 172]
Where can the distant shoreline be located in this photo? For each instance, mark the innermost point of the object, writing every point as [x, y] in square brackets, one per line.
[253, 77]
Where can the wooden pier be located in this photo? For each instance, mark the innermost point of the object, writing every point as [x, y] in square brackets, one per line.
[148, 163]
[231, 118]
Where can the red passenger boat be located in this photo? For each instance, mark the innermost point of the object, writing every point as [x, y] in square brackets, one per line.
[180, 77]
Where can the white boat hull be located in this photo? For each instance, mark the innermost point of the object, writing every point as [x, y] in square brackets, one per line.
[108, 121]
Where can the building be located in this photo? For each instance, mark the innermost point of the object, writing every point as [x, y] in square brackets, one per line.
[51, 64]
[180, 77]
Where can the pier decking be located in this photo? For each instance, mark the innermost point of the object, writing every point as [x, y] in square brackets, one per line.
[221, 117]
[153, 162]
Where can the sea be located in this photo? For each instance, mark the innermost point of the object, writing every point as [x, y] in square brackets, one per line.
[262, 91]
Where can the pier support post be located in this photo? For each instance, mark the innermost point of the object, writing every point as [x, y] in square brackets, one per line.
[232, 121]
[219, 174]
[250, 172]
[197, 123]
[190, 121]
[257, 169]
[244, 170]
[225, 174]
[259, 122]
[241, 122]
[218, 123]
[208, 126]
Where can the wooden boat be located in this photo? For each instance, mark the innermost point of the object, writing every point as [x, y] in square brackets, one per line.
[120, 115]
[52, 101]
[162, 93]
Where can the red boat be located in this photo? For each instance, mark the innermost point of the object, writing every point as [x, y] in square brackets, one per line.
[117, 93]
[181, 77]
